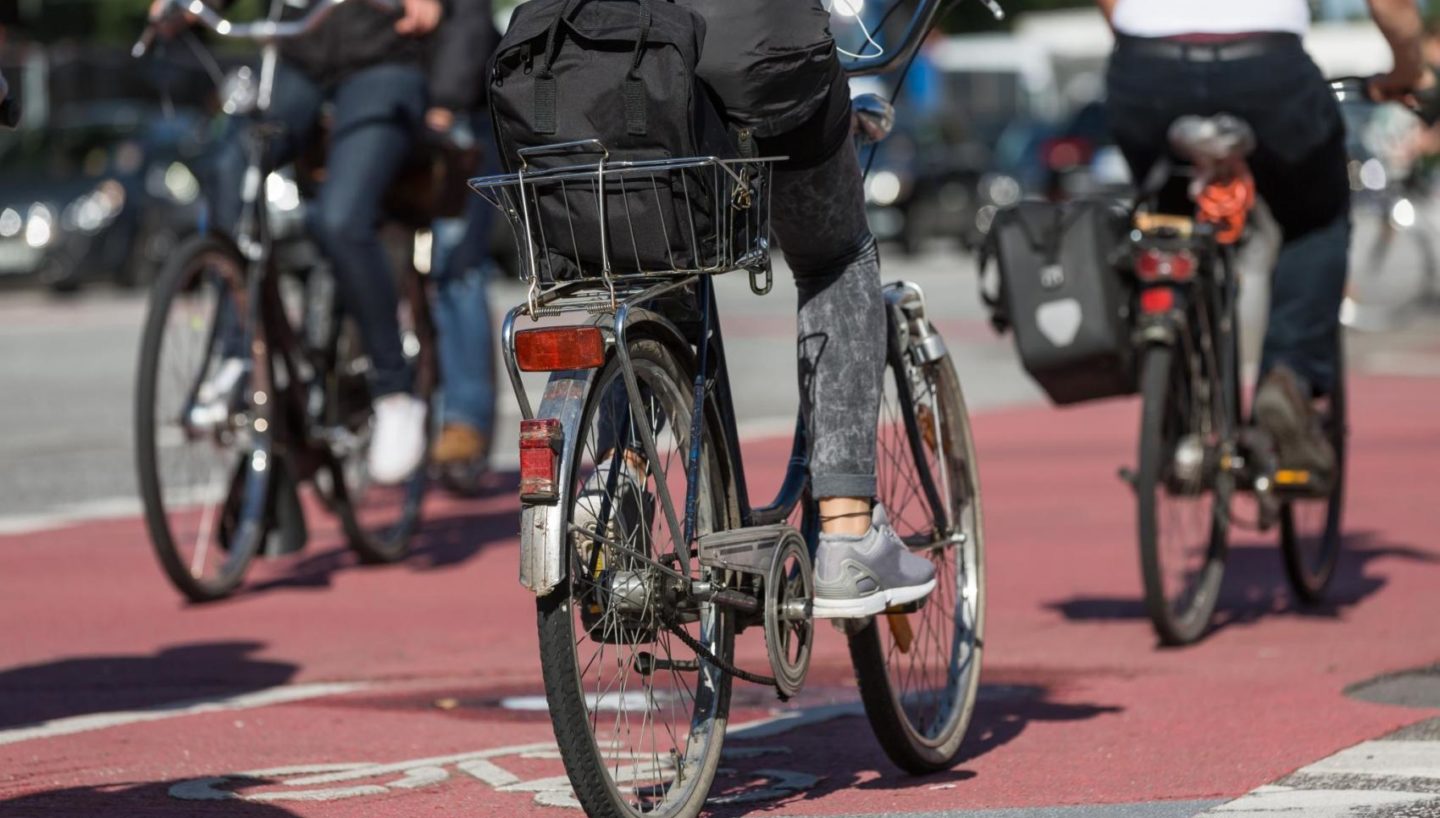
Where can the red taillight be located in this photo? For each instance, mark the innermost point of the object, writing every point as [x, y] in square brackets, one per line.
[1157, 300]
[1157, 265]
[1067, 153]
[540, 443]
[555, 348]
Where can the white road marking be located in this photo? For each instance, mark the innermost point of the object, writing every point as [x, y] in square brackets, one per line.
[1404, 759]
[1288, 802]
[242, 701]
[1353, 782]
[314, 782]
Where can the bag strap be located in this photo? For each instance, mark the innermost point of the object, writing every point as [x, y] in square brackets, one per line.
[636, 121]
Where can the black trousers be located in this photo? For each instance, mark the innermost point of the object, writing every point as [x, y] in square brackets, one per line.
[1299, 167]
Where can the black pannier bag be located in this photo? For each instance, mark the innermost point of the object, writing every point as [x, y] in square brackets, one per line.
[622, 72]
[1061, 294]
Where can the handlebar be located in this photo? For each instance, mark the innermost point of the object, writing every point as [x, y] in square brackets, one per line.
[920, 24]
[1426, 105]
[260, 31]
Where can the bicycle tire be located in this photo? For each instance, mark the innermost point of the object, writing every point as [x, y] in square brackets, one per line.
[568, 618]
[897, 714]
[1183, 623]
[241, 524]
[1310, 573]
[379, 521]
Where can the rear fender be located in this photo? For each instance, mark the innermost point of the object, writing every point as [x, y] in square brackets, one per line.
[542, 539]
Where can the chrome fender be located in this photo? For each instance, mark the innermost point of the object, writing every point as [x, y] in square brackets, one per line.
[542, 538]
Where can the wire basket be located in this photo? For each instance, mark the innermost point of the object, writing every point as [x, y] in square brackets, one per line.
[612, 221]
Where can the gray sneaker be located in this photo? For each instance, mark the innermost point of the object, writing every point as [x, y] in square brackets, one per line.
[856, 577]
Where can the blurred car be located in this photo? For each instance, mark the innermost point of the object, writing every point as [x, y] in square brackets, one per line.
[1082, 158]
[919, 189]
[103, 192]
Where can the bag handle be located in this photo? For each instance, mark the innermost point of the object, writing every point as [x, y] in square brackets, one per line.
[635, 114]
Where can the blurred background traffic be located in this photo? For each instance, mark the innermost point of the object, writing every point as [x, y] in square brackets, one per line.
[105, 175]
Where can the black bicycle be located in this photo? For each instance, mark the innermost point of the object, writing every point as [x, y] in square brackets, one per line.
[638, 535]
[219, 473]
[1197, 450]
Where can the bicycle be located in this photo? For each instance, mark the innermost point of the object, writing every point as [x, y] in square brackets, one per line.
[638, 536]
[215, 489]
[1196, 452]
[1395, 244]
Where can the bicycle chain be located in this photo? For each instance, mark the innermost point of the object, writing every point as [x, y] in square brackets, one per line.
[729, 668]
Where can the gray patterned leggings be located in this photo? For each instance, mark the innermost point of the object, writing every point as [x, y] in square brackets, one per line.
[818, 215]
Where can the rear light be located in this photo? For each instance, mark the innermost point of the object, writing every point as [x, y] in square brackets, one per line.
[558, 348]
[1153, 265]
[540, 442]
[1067, 152]
[1157, 300]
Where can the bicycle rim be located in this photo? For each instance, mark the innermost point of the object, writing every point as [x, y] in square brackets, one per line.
[919, 670]
[379, 520]
[1183, 499]
[203, 485]
[638, 715]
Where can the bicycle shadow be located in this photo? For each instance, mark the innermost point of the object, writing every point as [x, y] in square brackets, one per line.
[1255, 586]
[149, 798]
[1002, 713]
[448, 539]
[173, 677]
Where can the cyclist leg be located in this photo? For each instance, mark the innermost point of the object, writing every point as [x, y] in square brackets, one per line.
[294, 106]
[377, 113]
[461, 265]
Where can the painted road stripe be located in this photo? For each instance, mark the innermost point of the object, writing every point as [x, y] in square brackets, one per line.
[1395, 776]
[243, 701]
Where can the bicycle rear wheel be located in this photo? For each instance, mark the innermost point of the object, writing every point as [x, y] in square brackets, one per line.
[379, 520]
[1310, 527]
[1183, 497]
[918, 666]
[203, 481]
[639, 714]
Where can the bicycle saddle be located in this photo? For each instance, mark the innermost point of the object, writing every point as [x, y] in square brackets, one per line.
[1211, 143]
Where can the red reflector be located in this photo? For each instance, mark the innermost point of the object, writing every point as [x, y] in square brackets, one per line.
[1156, 265]
[1157, 299]
[557, 348]
[540, 442]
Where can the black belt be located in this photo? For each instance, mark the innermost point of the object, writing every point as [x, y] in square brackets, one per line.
[1173, 48]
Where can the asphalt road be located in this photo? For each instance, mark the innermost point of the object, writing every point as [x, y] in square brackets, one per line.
[328, 689]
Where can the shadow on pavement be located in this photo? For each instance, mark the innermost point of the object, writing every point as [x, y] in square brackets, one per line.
[856, 761]
[441, 542]
[151, 799]
[1255, 586]
[76, 686]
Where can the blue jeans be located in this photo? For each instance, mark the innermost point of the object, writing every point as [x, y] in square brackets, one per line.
[377, 113]
[461, 265]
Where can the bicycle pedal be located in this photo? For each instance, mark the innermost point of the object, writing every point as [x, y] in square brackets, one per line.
[747, 550]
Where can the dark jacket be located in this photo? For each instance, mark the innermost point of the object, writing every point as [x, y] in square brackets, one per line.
[357, 36]
[772, 62]
[460, 55]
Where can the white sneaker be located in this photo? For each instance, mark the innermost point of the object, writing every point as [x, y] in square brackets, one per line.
[397, 441]
[212, 399]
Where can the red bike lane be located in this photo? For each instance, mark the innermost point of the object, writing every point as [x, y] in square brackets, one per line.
[414, 689]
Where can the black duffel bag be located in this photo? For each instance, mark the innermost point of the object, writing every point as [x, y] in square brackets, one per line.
[622, 72]
[1061, 294]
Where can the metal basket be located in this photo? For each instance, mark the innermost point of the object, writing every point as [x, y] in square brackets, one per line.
[605, 223]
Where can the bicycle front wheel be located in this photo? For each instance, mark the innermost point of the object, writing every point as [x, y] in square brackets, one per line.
[203, 475]
[1310, 527]
[639, 713]
[919, 666]
[1183, 497]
